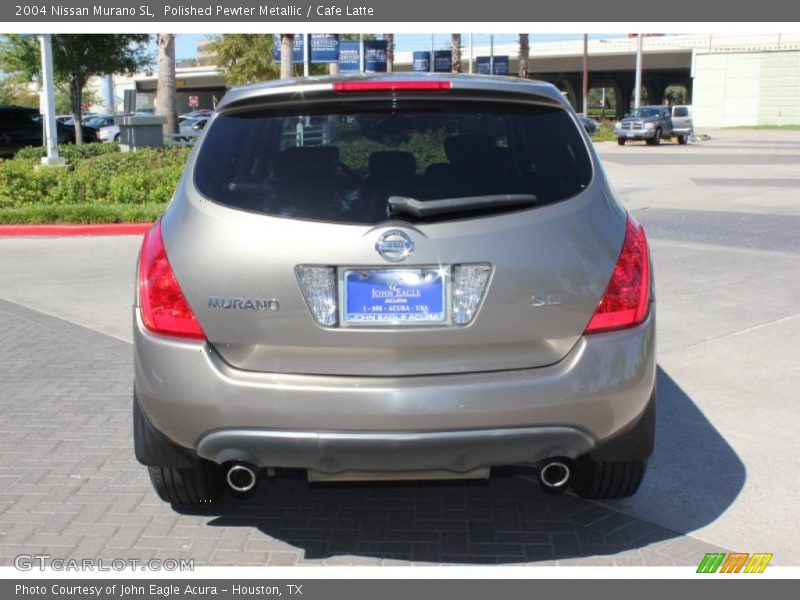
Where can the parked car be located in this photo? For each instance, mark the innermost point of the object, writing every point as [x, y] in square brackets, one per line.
[192, 127]
[655, 123]
[105, 128]
[200, 112]
[394, 277]
[21, 127]
[590, 125]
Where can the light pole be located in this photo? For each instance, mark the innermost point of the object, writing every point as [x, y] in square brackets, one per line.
[585, 90]
[48, 103]
[306, 52]
[637, 94]
[470, 54]
[491, 54]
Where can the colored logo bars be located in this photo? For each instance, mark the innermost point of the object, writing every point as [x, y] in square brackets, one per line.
[735, 562]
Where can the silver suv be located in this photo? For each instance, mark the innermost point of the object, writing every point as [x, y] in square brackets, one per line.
[394, 278]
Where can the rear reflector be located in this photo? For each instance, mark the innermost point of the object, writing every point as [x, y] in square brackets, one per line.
[626, 299]
[163, 305]
[391, 86]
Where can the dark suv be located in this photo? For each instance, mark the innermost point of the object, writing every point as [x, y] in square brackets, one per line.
[21, 127]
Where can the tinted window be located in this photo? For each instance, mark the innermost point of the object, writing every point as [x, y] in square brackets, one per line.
[680, 111]
[16, 118]
[343, 166]
[645, 113]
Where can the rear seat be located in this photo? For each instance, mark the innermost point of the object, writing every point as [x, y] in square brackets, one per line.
[390, 173]
[476, 166]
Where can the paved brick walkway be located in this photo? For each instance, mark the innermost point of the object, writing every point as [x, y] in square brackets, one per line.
[70, 487]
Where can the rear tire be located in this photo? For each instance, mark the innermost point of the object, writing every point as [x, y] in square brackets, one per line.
[607, 480]
[201, 484]
[683, 139]
[621, 141]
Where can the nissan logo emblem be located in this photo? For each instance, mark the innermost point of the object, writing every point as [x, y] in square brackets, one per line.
[394, 245]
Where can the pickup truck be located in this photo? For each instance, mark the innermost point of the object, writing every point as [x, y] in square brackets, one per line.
[655, 123]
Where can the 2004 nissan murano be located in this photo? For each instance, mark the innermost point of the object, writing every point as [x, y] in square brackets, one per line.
[394, 278]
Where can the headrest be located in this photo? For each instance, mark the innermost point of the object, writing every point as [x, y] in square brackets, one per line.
[467, 150]
[392, 163]
[306, 162]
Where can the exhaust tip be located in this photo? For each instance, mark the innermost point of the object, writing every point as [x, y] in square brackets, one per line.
[241, 478]
[554, 475]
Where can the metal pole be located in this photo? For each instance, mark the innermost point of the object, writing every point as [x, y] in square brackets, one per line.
[430, 62]
[306, 53]
[491, 54]
[361, 53]
[109, 95]
[48, 103]
[470, 54]
[585, 90]
[637, 94]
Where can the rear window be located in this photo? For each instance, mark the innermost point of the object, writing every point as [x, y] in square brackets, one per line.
[680, 111]
[344, 165]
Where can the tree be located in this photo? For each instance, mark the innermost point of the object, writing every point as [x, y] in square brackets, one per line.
[245, 58]
[165, 90]
[287, 52]
[524, 55]
[13, 92]
[389, 37]
[455, 44]
[76, 59]
[64, 104]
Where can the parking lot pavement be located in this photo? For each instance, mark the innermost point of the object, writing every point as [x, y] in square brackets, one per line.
[71, 488]
[727, 269]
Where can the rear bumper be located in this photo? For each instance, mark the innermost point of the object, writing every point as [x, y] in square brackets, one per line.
[379, 452]
[444, 422]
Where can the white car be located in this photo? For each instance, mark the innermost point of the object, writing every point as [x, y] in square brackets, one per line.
[107, 130]
[192, 127]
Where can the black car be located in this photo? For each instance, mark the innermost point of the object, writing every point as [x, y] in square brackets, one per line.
[590, 125]
[21, 127]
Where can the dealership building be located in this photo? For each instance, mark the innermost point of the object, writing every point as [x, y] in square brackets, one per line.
[731, 80]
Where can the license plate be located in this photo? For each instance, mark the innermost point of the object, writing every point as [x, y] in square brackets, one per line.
[394, 296]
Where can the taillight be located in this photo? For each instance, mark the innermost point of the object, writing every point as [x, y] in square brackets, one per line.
[627, 296]
[391, 86]
[163, 305]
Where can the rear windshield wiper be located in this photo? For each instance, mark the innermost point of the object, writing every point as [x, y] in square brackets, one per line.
[431, 208]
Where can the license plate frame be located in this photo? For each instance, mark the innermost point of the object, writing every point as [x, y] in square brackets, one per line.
[434, 295]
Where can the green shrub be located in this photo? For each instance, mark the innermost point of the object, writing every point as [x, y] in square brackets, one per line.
[70, 152]
[96, 186]
[81, 213]
[605, 133]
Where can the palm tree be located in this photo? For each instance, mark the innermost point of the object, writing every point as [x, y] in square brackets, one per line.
[524, 54]
[389, 37]
[287, 52]
[165, 92]
[455, 45]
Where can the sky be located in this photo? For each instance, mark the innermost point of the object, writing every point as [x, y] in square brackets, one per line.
[185, 45]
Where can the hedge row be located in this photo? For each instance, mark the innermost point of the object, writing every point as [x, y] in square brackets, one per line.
[99, 184]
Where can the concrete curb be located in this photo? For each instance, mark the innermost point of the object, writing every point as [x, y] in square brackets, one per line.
[70, 230]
